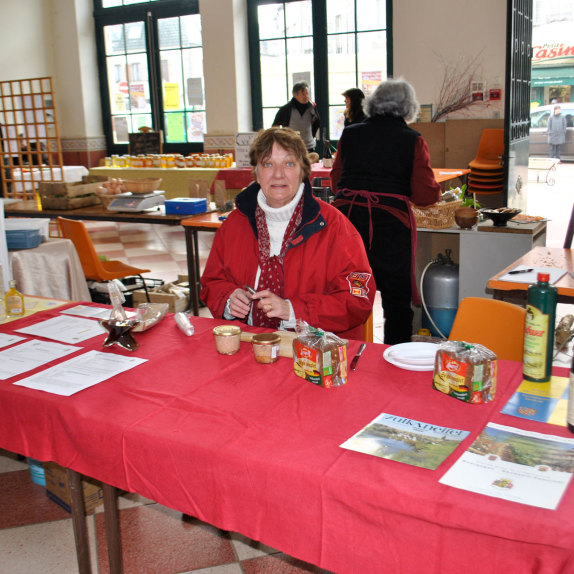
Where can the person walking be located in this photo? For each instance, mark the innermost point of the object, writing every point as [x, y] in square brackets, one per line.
[300, 114]
[556, 130]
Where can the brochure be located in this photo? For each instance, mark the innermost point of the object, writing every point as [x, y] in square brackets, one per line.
[517, 465]
[80, 372]
[406, 440]
[544, 402]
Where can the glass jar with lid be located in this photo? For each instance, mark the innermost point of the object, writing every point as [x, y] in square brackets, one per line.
[266, 347]
[227, 339]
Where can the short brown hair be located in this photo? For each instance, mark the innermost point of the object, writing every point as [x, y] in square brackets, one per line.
[288, 139]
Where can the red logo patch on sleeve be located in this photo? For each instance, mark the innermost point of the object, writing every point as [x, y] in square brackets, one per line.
[358, 283]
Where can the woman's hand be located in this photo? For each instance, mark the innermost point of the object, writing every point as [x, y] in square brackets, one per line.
[272, 305]
[240, 303]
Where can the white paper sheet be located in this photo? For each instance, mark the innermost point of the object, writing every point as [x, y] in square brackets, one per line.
[6, 339]
[532, 276]
[65, 329]
[80, 373]
[30, 355]
[517, 465]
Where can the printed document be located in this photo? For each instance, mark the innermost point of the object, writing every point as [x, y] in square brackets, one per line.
[522, 466]
[80, 372]
[65, 329]
[31, 355]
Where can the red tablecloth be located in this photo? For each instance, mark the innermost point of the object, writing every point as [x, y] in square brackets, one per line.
[255, 449]
[240, 177]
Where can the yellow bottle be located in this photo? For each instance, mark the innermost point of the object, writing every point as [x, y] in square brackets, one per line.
[14, 301]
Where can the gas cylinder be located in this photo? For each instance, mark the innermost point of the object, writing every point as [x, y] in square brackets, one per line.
[440, 294]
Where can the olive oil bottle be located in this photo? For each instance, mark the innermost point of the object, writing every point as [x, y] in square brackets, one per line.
[570, 411]
[539, 330]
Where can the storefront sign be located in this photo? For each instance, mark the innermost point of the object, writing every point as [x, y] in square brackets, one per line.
[556, 53]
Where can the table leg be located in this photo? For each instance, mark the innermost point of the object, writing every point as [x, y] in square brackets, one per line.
[112, 521]
[192, 266]
[79, 521]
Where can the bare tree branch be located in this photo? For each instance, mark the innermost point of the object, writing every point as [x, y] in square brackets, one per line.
[456, 89]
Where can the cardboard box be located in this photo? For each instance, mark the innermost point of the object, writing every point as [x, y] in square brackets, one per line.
[176, 304]
[58, 491]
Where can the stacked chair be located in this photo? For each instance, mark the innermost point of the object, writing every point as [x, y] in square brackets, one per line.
[487, 169]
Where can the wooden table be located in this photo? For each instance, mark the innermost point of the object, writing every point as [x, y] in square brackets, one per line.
[98, 213]
[537, 257]
[443, 174]
[201, 222]
[174, 181]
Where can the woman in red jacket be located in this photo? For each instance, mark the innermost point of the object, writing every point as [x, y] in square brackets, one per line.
[304, 258]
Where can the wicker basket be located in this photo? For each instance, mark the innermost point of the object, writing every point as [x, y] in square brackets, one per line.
[437, 216]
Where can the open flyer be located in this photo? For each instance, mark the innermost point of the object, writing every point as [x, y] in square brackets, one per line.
[406, 440]
[517, 465]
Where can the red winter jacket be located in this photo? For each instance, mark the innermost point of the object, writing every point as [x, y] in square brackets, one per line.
[328, 278]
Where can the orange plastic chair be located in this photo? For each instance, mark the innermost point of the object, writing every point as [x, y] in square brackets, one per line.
[95, 269]
[497, 325]
[368, 329]
[490, 151]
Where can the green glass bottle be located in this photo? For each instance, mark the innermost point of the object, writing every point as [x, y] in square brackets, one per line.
[539, 330]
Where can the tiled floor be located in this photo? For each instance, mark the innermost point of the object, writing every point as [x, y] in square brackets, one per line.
[36, 534]
[36, 537]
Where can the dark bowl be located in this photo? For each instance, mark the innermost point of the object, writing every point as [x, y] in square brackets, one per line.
[500, 218]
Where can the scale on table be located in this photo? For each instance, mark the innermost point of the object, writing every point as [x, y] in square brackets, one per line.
[137, 202]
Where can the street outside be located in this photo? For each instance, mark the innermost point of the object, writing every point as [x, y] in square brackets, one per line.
[552, 201]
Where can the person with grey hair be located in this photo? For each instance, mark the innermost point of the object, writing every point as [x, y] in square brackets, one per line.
[556, 130]
[300, 114]
[382, 165]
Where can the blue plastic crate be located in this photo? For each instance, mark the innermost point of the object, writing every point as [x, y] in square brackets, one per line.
[23, 238]
[185, 205]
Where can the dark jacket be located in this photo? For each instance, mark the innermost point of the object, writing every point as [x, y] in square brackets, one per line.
[283, 116]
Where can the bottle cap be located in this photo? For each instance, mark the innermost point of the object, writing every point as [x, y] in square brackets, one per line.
[544, 277]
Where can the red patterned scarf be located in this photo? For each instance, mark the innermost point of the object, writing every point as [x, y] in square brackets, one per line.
[272, 273]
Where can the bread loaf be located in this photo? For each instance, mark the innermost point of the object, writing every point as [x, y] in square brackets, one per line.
[465, 371]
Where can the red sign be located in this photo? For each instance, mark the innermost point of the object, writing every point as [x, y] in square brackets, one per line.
[552, 52]
[123, 87]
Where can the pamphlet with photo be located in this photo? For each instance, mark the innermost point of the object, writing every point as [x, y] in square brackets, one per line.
[406, 440]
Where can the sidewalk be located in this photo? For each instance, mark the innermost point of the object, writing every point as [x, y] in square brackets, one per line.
[552, 201]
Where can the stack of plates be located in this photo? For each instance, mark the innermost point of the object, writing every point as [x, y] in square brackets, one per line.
[412, 356]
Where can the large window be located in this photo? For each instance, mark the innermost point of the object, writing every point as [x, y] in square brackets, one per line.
[151, 71]
[332, 44]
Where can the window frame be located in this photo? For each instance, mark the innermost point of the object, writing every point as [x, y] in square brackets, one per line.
[149, 13]
[320, 89]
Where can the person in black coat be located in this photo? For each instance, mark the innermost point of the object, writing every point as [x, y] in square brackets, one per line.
[354, 106]
[301, 115]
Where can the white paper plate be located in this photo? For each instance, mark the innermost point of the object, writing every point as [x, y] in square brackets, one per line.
[412, 356]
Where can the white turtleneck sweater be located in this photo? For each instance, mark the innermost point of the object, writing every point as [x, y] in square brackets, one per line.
[277, 219]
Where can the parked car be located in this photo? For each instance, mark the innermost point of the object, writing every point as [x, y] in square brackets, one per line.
[539, 139]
